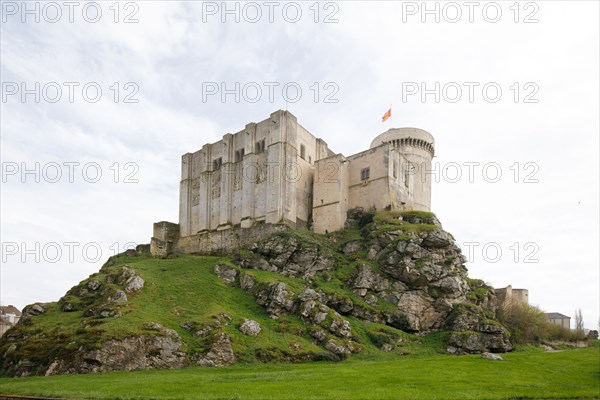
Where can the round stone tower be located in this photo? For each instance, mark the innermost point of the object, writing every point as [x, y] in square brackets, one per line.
[417, 147]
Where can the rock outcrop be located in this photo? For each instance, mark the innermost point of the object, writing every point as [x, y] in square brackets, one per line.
[289, 256]
[410, 263]
[156, 350]
[250, 327]
[393, 274]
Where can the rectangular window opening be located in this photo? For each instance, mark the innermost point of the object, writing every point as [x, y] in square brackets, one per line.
[260, 146]
[365, 174]
[239, 155]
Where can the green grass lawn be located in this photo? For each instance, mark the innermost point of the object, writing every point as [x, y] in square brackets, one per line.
[522, 375]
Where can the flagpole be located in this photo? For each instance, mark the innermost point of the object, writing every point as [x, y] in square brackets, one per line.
[391, 117]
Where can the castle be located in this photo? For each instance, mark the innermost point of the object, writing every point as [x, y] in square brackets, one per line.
[275, 172]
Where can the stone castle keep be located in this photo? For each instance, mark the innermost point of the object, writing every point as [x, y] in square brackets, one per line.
[275, 173]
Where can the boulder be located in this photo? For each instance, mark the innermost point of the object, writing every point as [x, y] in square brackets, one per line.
[352, 247]
[220, 353]
[476, 342]
[118, 297]
[226, 273]
[491, 356]
[250, 327]
[93, 285]
[134, 284]
[247, 282]
[418, 308]
[437, 239]
[309, 294]
[336, 348]
[276, 298]
[130, 280]
[373, 252]
[364, 279]
[32, 310]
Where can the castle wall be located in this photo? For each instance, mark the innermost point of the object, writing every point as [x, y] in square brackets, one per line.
[340, 185]
[164, 238]
[302, 173]
[508, 295]
[417, 164]
[520, 295]
[401, 182]
[371, 193]
[255, 175]
[226, 241]
[330, 199]
[275, 171]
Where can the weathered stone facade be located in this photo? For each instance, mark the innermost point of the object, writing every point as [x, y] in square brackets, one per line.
[276, 172]
[164, 237]
[226, 241]
[508, 296]
[392, 174]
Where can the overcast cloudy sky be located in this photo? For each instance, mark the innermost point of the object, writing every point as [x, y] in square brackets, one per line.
[510, 91]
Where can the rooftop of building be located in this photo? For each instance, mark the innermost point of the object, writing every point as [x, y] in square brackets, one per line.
[555, 315]
[10, 309]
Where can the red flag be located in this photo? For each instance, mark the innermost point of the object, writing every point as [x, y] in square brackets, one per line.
[386, 115]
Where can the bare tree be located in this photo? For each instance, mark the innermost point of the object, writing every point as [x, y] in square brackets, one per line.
[578, 320]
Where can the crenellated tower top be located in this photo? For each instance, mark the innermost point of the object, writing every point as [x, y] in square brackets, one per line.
[404, 137]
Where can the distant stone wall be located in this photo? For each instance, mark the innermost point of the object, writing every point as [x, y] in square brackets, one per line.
[164, 237]
[226, 241]
[521, 295]
[564, 322]
[508, 296]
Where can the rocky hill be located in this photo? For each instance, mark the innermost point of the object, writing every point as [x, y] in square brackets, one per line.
[392, 282]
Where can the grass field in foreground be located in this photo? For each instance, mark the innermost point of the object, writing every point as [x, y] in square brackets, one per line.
[531, 374]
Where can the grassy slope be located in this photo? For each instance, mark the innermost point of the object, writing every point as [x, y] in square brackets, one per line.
[185, 289]
[569, 374]
[177, 291]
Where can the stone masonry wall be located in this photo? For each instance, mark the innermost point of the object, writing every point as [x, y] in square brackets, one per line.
[164, 237]
[226, 241]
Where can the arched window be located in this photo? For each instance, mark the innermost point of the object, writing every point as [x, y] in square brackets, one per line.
[217, 164]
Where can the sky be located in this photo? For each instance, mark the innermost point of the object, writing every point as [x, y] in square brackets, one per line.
[101, 99]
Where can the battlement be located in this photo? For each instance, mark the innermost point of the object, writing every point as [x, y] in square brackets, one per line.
[405, 137]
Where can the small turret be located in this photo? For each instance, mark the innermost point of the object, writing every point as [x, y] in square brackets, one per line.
[418, 147]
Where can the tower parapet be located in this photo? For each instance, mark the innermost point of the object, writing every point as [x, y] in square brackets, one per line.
[418, 148]
[404, 137]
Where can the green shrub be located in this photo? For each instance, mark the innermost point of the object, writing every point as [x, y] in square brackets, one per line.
[526, 323]
[366, 219]
[400, 321]
[418, 214]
